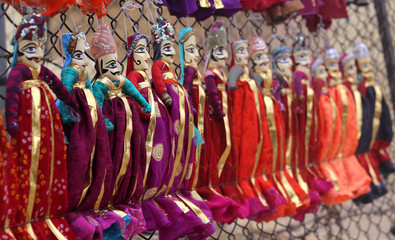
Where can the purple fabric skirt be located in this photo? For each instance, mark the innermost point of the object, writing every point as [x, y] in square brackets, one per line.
[83, 139]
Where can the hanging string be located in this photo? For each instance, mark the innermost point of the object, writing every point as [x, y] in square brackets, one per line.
[155, 7]
[237, 32]
[188, 21]
[276, 37]
[150, 14]
[60, 41]
[72, 19]
[130, 6]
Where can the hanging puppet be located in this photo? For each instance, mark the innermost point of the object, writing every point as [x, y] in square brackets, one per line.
[358, 181]
[157, 129]
[328, 132]
[192, 82]
[88, 157]
[251, 132]
[34, 124]
[8, 185]
[262, 74]
[221, 152]
[282, 63]
[382, 133]
[180, 164]
[117, 98]
[307, 118]
[364, 126]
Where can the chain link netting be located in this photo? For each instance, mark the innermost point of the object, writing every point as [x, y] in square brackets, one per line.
[345, 221]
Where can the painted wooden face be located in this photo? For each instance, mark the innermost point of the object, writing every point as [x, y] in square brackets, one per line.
[218, 57]
[332, 65]
[79, 57]
[302, 60]
[320, 73]
[350, 69]
[168, 51]
[284, 65]
[30, 53]
[191, 55]
[260, 61]
[241, 54]
[140, 55]
[364, 65]
[110, 67]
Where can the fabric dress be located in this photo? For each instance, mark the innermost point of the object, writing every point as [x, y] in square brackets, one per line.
[207, 8]
[195, 217]
[127, 148]
[382, 133]
[329, 132]
[365, 127]
[290, 136]
[220, 175]
[40, 150]
[8, 185]
[157, 129]
[252, 139]
[357, 179]
[88, 158]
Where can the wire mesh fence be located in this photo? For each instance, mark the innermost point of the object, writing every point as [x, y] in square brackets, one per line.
[345, 221]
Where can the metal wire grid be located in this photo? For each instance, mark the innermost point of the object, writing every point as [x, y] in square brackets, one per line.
[345, 221]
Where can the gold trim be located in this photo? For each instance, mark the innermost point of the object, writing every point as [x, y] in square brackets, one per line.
[358, 111]
[179, 203]
[190, 132]
[126, 148]
[91, 100]
[254, 89]
[218, 4]
[7, 229]
[377, 114]
[100, 197]
[343, 96]
[195, 209]
[200, 127]
[36, 139]
[226, 152]
[151, 129]
[181, 102]
[204, 3]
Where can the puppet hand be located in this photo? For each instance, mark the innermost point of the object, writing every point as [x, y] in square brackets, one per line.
[109, 125]
[166, 99]
[147, 109]
[72, 114]
[12, 128]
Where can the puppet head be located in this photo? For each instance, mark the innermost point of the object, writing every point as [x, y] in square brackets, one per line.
[301, 54]
[137, 53]
[281, 60]
[216, 43]
[239, 53]
[362, 55]
[318, 70]
[74, 46]
[332, 60]
[29, 39]
[348, 67]
[104, 52]
[163, 40]
[189, 54]
[259, 54]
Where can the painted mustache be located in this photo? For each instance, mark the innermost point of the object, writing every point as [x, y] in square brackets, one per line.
[33, 58]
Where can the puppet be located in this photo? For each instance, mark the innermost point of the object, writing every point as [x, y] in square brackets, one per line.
[33, 121]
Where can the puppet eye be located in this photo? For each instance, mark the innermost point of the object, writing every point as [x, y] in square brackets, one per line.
[78, 56]
[190, 50]
[301, 58]
[140, 50]
[30, 50]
